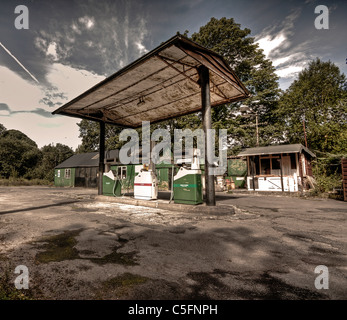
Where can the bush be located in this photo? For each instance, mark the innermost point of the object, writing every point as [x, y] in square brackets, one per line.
[25, 182]
[327, 173]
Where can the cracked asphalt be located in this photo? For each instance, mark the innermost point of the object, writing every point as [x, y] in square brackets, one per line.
[78, 248]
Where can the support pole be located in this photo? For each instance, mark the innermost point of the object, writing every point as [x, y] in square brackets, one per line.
[204, 79]
[301, 170]
[281, 166]
[101, 156]
[151, 165]
[253, 169]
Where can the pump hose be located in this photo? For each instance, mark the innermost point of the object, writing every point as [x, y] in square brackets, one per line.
[114, 187]
[115, 184]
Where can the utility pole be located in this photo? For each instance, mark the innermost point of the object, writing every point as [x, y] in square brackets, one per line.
[245, 109]
[303, 123]
[257, 129]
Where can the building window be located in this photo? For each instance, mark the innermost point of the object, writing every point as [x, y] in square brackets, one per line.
[58, 174]
[265, 166]
[67, 173]
[122, 172]
[268, 165]
[293, 161]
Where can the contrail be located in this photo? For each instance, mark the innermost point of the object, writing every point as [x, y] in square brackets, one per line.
[8, 51]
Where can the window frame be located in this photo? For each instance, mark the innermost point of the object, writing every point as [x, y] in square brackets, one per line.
[67, 174]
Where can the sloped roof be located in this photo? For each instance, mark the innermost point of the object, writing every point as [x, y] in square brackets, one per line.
[90, 159]
[161, 85]
[285, 148]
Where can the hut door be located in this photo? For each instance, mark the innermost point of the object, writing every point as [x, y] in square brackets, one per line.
[286, 165]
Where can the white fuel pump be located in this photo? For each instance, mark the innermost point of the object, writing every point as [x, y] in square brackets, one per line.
[146, 185]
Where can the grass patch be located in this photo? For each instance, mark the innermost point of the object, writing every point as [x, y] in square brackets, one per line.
[117, 257]
[121, 285]
[59, 247]
[13, 182]
[62, 247]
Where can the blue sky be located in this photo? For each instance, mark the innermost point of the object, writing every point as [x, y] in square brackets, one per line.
[72, 45]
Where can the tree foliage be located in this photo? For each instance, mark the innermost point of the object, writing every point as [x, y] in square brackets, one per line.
[234, 44]
[18, 154]
[51, 156]
[317, 102]
[90, 135]
[2, 128]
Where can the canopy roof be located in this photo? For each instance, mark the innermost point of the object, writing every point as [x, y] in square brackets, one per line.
[161, 85]
[285, 148]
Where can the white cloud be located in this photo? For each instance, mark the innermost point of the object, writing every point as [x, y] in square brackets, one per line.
[17, 92]
[269, 43]
[52, 51]
[71, 81]
[75, 28]
[280, 61]
[279, 45]
[45, 130]
[289, 71]
[24, 97]
[142, 49]
[87, 22]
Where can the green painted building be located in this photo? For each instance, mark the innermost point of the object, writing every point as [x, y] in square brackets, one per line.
[237, 171]
[81, 170]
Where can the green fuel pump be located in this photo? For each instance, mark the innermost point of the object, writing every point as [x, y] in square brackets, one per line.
[187, 185]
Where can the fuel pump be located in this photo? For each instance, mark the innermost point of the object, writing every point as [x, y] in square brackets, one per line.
[187, 186]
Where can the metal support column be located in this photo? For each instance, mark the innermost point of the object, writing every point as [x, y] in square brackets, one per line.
[101, 156]
[204, 79]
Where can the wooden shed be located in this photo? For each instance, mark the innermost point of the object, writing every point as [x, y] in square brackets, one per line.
[81, 170]
[279, 168]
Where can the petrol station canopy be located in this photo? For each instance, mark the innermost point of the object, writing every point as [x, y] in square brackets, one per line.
[161, 85]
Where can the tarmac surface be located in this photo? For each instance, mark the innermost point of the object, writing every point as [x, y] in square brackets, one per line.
[76, 245]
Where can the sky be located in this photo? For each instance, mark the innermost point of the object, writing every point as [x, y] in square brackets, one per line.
[69, 46]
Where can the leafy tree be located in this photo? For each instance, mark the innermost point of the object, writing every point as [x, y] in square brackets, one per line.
[317, 101]
[226, 37]
[18, 154]
[90, 133]
[2, 128]
[51, 156]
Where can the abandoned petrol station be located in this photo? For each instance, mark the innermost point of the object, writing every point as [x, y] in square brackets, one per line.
[177, 78]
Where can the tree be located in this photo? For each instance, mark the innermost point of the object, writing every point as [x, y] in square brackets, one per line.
[317, 102]
[2, 128]
[90, 134]
[18, 154]
[226, 37]
[51, 156]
